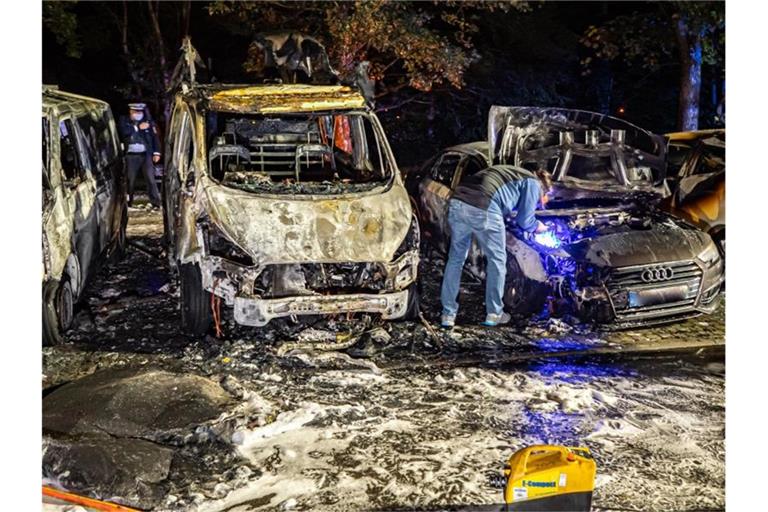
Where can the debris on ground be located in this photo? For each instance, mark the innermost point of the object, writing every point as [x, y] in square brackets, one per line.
[411, 420]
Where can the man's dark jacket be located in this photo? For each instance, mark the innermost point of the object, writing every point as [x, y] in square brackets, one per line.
[130, 133]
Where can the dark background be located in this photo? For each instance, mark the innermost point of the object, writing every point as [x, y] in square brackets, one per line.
[525, 58]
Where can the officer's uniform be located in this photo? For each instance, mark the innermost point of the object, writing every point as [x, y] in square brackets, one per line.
[140, 146]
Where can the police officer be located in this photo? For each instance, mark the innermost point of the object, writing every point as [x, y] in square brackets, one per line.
[477, 208]
[142, 148]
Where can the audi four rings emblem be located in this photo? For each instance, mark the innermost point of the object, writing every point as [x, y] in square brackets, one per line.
[655, 274]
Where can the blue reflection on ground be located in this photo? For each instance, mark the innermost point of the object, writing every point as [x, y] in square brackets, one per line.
[559, 427]
[563, 344]
[154, 280]
[555, 427]
[579, 372]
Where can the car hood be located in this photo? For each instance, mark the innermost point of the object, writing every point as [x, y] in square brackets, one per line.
[664, 242]
[561, 140]
[286, 229]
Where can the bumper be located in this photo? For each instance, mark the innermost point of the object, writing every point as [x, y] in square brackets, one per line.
[234, 283]
[633, 304]
[258, 312]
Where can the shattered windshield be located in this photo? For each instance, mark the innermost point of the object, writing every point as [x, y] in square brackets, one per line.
[311, 153]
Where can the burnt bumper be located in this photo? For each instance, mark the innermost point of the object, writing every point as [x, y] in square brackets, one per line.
[258, 312]
[644, 295]
[234, 283]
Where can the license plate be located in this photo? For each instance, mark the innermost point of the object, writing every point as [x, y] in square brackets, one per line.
[640, 298]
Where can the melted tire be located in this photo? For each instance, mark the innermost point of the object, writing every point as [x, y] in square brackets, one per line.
[195, 302]
[413, 308]
[121, 242]
[58, 310]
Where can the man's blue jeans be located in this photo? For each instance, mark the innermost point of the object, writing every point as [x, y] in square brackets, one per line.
[488, 228]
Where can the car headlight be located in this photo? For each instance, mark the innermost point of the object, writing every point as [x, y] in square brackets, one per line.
[219, 245]
[709, 255]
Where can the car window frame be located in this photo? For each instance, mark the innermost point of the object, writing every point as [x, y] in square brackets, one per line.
[438, 163]
[82, 172]
[181, 152]
[463, 163]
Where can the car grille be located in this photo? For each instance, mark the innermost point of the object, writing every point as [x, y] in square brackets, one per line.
[324, 278]
[653, 291]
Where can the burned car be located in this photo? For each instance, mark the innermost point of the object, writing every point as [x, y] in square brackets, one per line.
[611, 256]
[285, 200]
[696, 176]
[84, 202]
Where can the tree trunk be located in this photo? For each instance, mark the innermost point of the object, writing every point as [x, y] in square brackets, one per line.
[138, 90]
[690, 49]
[162, 98]
[186, 10]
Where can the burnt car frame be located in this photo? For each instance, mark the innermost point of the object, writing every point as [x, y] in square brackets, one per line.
[696, 176]
[616, 259]
[84, 214]
[284, 200]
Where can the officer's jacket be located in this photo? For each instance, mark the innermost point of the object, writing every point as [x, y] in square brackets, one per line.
[135, 138]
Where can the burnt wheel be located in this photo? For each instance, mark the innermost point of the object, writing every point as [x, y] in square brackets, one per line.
[195, 302]
[521, 294]
[413, 308]
[121, 242]
[58, 310]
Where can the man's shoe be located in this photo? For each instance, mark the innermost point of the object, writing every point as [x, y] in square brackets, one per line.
[492, 320]
[447, 321]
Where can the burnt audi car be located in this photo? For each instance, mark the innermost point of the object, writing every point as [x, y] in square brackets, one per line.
[611, 256]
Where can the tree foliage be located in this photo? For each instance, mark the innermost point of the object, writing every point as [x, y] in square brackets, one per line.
[406, 43]
[684, 34]
[61, 20]
[649, 38]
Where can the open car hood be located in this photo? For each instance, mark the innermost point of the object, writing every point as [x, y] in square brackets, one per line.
[565, 142]
[290, 229]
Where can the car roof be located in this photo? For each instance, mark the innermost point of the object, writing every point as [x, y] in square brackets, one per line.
[55, 99]
[477, 148]
[277, 98]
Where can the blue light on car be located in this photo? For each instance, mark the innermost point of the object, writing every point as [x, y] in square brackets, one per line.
[547, 239]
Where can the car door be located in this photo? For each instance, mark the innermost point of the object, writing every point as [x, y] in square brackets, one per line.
[178, 178]
[434, 192]
[102, 158]
[57, 205]
[81, 187]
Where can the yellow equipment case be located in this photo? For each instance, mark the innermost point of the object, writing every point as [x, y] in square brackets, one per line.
[550, 478]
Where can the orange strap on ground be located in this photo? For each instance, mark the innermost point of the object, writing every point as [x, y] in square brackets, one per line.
[86, 502]
[216, 309]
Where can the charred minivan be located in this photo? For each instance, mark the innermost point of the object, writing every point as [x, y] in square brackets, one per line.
[697, 180]
[84, 203]
[285, 200]
[612, 256]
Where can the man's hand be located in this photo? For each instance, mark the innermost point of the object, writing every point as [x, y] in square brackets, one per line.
[155, 158]
[144, 125]
[540, 227]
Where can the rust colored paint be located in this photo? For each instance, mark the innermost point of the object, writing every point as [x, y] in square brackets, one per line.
[286, 98]
[707, 210]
